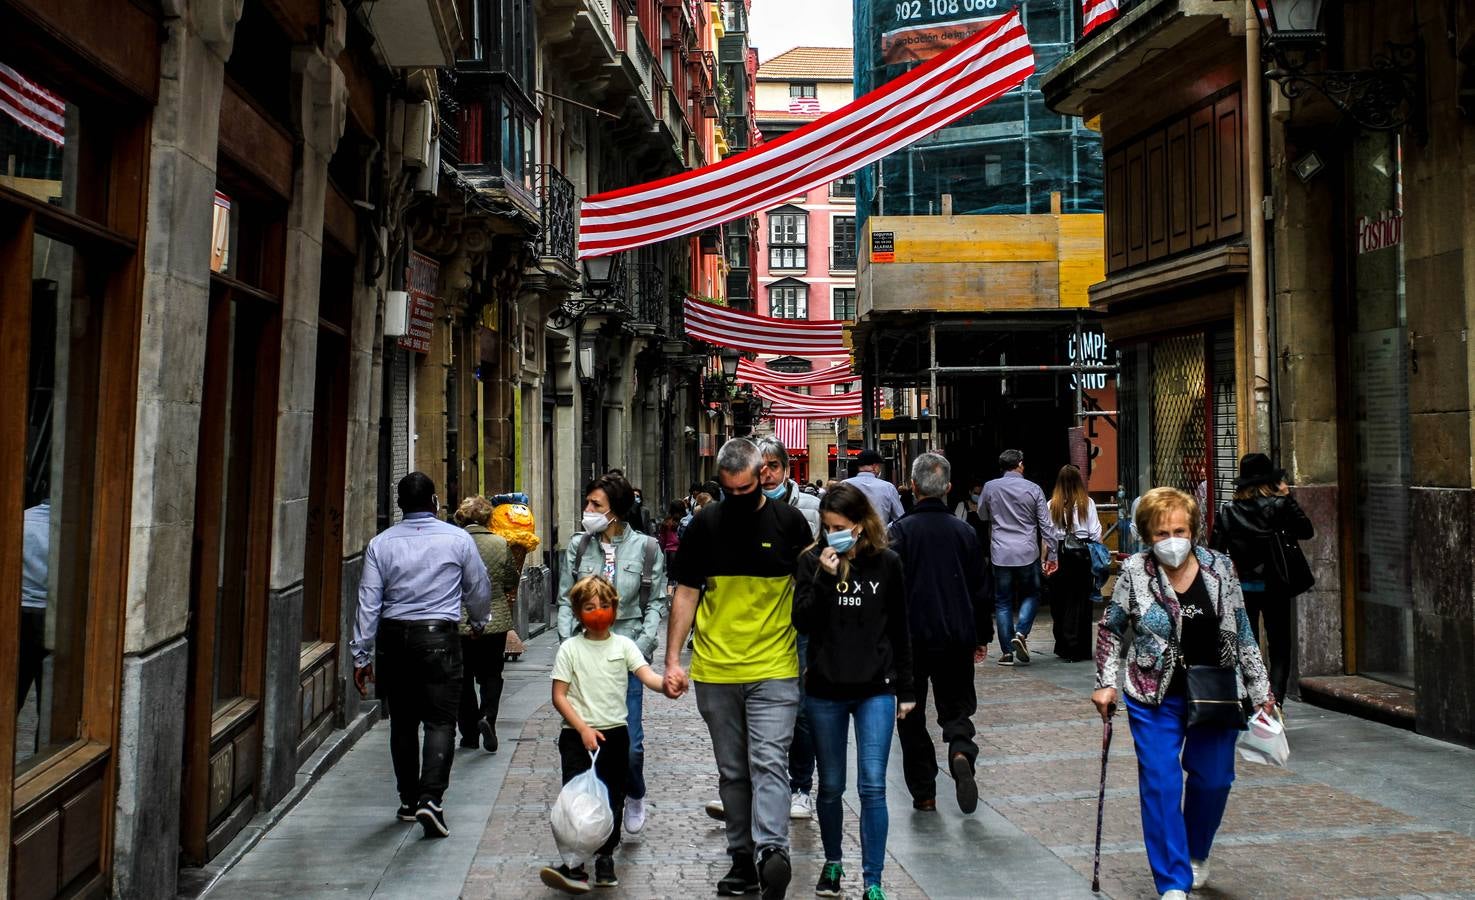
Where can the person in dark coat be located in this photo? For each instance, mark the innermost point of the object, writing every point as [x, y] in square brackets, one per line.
[1262, 511]
[951, 619]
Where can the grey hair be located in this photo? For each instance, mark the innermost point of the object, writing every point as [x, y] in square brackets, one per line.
[772, 446]
[932, 473]
[739, 455]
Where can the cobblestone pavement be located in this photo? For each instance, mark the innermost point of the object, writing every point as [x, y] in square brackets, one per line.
[1362, 811]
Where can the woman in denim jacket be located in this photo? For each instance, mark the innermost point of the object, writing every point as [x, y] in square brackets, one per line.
[1184, 606]
[609, 547]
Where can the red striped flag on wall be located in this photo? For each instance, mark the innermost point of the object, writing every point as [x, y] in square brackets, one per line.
[1095, 13]
[951, 85]
[752, 333]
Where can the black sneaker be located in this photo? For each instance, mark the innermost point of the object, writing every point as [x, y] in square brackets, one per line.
[967, 788]
[488, 735]
[570, 881]
[774, 872]
[829, 881]
[1021, 649]
[406, 813]
[604, 872]
[433, 819]
[741, 879]
[1007, 659]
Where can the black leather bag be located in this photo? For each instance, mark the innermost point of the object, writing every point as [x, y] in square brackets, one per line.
[1290, 566]
[1213, 698]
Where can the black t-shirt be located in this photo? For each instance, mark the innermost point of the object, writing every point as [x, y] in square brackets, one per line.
[1200, 631]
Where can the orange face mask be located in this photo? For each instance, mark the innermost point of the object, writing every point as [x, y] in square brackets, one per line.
[598, 619]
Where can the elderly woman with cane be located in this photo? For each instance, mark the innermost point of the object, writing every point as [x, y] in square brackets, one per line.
[1191, 667]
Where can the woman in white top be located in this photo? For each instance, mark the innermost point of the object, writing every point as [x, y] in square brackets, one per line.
[1071, 587]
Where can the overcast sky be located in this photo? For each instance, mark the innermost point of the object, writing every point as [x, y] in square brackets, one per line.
[776, 26]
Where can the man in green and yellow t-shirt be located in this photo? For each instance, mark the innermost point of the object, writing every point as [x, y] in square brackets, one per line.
[738, 558]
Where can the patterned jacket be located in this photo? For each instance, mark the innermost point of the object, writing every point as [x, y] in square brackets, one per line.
[1145, 601]
[504, 575]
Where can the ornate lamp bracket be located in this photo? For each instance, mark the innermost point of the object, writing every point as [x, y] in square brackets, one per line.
[1385, 97]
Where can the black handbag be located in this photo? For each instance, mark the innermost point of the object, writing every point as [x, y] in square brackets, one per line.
[1213, 698]
[1291, 568]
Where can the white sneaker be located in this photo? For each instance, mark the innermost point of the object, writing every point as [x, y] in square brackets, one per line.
[800, 806]
[634, 815]
[1175, 895]
[715, 809]
[1200, 872]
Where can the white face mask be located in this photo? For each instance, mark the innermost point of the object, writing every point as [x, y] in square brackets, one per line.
[1172, 551]
[595, 523]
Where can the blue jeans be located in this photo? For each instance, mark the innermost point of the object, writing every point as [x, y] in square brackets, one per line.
[634, 704]
[801, 749]
[875, 719]
[1010, 582]
[1178, 825]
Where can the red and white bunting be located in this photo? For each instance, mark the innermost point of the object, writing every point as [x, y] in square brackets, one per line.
[33, 106]
[953, 84]
[1095, 13]
[753, 333]
[819, 406]
[792, 433]
[749, 372]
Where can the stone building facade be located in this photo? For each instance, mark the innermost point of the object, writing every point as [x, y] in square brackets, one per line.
[1352, 364]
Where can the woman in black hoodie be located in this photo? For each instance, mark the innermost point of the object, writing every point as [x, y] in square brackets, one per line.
[1262, 515]
[849, 598]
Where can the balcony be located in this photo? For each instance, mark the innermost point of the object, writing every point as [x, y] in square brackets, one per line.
[451, 116]
[1112, 55]
[650, 305]
[556, 240]
[417, 33]
[740, 289]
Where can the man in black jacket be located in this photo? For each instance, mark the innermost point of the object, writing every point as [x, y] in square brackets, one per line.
[951, 619]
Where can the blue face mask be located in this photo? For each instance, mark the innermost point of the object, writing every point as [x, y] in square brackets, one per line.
[778, 492]
[840, 541]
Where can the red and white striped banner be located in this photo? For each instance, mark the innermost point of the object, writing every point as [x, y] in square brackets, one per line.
[753, 333]
[819, 406]
[33, 106]
[1095, 13]
[750, 372]
[792, 433]
[953, 84]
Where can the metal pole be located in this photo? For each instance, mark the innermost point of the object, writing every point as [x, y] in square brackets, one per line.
[1080, 360]
[932, 374]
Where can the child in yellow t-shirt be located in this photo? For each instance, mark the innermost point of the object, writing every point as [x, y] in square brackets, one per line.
[589, 683]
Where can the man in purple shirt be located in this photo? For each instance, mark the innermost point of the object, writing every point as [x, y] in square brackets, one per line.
[1020, 517]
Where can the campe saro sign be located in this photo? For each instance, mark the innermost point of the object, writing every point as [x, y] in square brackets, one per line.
[1090, 352]
[1379, 233]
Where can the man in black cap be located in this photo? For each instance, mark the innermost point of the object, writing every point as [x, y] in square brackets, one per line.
[882, 494]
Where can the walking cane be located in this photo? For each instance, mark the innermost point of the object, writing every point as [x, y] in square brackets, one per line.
[1101, 800]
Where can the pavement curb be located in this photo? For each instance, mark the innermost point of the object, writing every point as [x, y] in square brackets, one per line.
[196, 883]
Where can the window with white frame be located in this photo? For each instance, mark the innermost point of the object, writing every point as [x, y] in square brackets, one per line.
[788, 300]
[844, 186]
[788, 241]
[842, 304]
[804, 89]
[842, 250]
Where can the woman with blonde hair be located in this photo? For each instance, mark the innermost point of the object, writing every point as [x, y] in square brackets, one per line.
[1192, 664]
[850, 600]
[1073, 513]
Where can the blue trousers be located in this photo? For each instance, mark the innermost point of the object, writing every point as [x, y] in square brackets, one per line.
[1179, 825]
[634, 705]
[1011, 582]
[875, 719]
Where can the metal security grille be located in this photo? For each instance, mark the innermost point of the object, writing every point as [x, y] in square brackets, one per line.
[1226, 418]
[1179, 406]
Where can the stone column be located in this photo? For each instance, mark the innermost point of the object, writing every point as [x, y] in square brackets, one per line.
[176, 302]
[320, 101]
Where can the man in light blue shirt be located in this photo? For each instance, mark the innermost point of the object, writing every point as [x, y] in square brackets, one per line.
[882, 494]
[35, 587]
[417, 574]
[1020, 517]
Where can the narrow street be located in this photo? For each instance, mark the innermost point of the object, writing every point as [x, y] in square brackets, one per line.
[1364, 810]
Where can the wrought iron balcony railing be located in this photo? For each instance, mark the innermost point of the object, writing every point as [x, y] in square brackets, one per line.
[650, 305]
[450, 120]
[842, 259]
[556, 206]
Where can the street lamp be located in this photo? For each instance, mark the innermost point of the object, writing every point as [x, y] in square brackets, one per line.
[604, 282]
[729, 359]
[1384, 97]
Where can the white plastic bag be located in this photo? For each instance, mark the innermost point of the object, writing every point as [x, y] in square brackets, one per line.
[1265, 741]
[582, 820]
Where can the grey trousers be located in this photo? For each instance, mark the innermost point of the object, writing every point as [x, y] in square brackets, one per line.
[751, 726]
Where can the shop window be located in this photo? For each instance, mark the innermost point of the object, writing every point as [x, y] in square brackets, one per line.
[39, 137]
